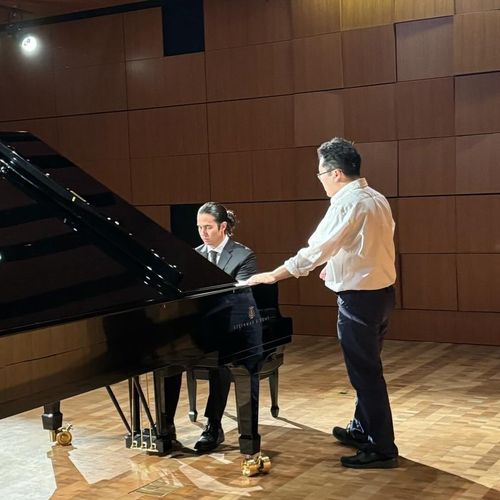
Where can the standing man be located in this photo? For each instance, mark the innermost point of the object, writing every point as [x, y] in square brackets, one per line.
[215, 226]
[355, 240]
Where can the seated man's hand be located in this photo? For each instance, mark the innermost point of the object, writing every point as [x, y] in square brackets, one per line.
[266, 278]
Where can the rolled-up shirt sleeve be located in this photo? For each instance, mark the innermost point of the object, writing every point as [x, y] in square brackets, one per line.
[325, 242]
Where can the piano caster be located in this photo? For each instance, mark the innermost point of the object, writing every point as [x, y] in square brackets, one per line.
[62, 436]
[193, 415]
[259, 464]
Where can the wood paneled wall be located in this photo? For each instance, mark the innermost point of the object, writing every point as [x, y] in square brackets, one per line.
[416, 83]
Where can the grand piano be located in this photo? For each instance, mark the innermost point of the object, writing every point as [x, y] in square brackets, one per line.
[93, 292]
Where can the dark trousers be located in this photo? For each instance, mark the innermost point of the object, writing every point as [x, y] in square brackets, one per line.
[363, 319]
[241, 344]
[232, 326]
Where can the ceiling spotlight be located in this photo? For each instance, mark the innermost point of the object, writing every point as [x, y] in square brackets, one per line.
[29, 44]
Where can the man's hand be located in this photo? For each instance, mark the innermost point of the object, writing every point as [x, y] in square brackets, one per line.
[266, 278]
[322, 274]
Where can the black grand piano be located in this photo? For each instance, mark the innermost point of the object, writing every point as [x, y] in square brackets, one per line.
[93, 292]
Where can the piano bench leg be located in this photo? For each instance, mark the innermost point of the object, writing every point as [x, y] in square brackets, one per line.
[191, 387]
[273, 387]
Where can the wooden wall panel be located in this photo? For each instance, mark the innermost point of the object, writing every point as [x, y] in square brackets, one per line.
[446, 326]
[379, 164]
[477, 163]
[477, 42]
[427, 225]
[317, 63]
[94, 137]
[478, 230]
[427, 326]
[313, 292]
[168, 131]
[143, 34]
[114, 173]
[250, 71]
[369, 56]
[91, 89]
[166, 81]
[407, 10]
[234, 24]
[27, 83]
[231, 176]
[429, 281]
[289, 223]
[361, 13]
[162, 181]
[267, 175]
[318, 116]
[425, 48]
[161, 215]
[462, 6]
[251, 124]
[288, 290]
[286, 174]
[477, 100]
[479, 282]
[315, 17]
[425, 108]
[45, 129]
[370, 114]
[88, 42]
[308, 320]
[427, 166]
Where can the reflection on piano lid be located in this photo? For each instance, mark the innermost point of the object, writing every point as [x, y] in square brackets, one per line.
[70, 248]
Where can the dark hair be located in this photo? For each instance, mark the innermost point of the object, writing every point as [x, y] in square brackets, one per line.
[221, 214]
[340, 153]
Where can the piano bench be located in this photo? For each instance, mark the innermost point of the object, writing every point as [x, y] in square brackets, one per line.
[269, 369]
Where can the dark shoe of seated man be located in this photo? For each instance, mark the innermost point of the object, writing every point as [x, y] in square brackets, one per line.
[210, 438]
[365, 459]
[350, 437]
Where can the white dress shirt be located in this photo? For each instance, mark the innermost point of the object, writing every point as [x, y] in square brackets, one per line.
[355, 239]
[218, 248]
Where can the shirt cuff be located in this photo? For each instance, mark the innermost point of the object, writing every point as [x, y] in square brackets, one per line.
[292, 268]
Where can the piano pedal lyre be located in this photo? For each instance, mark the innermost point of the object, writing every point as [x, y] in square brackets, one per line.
[258, 464]
[62, 436]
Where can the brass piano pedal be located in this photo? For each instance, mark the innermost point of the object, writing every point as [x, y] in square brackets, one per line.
[64, 436]
[134, 444]
[259, 464]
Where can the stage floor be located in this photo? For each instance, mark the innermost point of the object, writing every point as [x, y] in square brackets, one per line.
[446, 408]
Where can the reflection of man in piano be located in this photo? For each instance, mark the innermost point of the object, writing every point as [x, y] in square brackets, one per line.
[215, 225]
[355, 240]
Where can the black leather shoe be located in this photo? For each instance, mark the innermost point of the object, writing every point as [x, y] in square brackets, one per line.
[369, 460]
[210, 438]
[349, 437]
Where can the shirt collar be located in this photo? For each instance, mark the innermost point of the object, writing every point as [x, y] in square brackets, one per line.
[348, 188]
[220, 246]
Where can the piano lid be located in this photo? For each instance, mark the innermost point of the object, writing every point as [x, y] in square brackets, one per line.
[70, 248]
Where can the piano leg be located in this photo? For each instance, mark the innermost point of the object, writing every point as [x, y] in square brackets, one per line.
[52, 418]
[246, 386]
[167, 387]
[52, 422]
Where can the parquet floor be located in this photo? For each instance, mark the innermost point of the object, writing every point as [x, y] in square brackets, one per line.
[446, 405]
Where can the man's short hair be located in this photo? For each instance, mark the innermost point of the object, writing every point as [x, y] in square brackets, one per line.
[340, 153]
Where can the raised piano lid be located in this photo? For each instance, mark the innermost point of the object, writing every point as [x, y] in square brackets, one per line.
[70, 248]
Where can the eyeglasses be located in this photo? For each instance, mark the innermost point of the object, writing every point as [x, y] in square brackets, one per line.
[319, 174]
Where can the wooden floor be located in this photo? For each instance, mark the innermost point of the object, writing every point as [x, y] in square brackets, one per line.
[446, 405]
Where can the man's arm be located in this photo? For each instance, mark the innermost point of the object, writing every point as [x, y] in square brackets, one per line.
[280, 273]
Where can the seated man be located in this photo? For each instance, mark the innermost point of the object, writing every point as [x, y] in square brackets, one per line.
[215, 225]
[232, 312]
